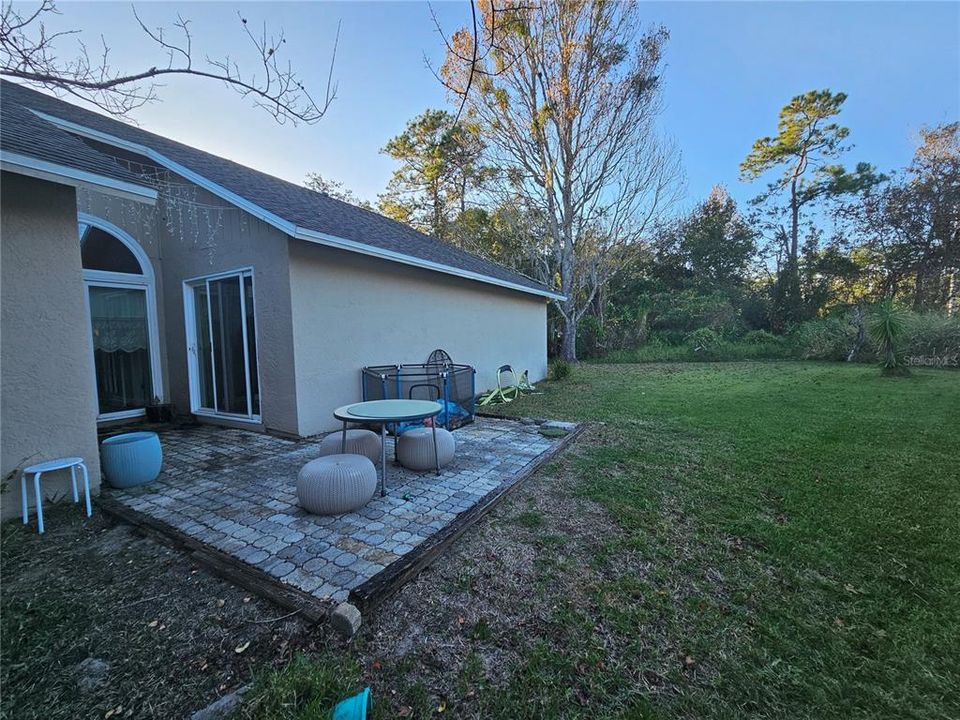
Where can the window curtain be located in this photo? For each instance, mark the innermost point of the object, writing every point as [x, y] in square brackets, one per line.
[119, 319]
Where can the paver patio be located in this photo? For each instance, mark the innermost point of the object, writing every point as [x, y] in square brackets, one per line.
[234, 490]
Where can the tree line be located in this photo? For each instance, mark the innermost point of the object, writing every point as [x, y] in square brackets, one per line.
[553, 165]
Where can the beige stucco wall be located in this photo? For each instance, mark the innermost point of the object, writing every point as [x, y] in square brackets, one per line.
[351, 310]
[192, 233]
[47, 400]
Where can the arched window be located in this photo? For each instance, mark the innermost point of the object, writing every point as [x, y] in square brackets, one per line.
[100, 250]
[122, 304]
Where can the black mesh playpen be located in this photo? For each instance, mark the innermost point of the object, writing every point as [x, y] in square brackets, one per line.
[450, 384]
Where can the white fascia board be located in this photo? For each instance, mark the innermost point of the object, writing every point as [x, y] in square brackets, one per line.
[64, 175]
[284, 225]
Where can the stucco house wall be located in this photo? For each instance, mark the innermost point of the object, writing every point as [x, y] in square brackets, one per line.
[193, 233]
[351, 310]
[49, 404]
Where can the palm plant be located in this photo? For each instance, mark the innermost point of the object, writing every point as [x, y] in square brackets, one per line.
[887, 325]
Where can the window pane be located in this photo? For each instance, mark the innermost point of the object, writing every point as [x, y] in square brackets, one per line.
[228, 357]
[252, 345]
[121, 345]
[100, 250]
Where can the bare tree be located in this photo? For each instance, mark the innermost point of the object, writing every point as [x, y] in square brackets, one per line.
[31, 52]
[567, 94]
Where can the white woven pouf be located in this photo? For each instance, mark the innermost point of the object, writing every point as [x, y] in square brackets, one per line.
[336, 484]
[359, 442]
[415, 448]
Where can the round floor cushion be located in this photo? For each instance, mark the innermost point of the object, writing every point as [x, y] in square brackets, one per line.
[359, 442]
[415, 448]
[336, 484]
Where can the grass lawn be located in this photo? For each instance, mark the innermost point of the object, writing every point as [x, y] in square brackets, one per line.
[729, 540]
[802, 525]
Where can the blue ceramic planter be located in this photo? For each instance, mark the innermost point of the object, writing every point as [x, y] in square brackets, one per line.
[131, 459]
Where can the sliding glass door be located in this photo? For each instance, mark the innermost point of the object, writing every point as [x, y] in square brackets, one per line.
[221, 329]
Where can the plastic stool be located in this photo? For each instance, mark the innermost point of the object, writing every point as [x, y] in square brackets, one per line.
[49, 466]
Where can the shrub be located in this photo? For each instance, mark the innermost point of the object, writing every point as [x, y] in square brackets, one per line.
[591, 337]
[688, 310]
[703, 340]
[828, 338]
[667, 338]
[762, 337]
[932, 335]
[559, 369]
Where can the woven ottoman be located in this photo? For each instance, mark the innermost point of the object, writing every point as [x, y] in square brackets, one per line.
[336, 484]
[359, 442]
[415, 448]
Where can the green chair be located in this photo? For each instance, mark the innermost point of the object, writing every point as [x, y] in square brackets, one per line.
[508, 387]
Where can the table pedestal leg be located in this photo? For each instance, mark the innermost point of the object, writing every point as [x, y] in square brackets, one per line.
[343, 438]
[436, 453]
[383, 460]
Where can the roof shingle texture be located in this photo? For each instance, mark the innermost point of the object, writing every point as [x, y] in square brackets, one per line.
[305, 208]
[23, 133]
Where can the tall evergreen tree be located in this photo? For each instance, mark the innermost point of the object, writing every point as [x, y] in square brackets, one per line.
[805, 149]
[439, 169]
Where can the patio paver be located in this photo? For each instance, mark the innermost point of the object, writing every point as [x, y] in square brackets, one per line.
[234, 490]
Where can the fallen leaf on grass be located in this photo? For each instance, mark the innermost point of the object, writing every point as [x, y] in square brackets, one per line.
[221, 602]
[689, 662]
[153, 623]
[376, 665]
[442, 706]
[241, 647]
[405, 711]
[247, 599]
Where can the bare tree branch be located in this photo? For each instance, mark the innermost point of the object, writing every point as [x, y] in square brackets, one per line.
[567, 95]
[28, 52]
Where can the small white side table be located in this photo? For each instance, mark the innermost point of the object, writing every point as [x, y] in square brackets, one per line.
[49, 466]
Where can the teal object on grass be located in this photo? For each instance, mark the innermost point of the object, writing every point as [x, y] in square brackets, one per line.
[353, 708]
[131, 459]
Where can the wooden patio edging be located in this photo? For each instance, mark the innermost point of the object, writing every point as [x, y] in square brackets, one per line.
[365, 596]
[247, 576]
[388, 581]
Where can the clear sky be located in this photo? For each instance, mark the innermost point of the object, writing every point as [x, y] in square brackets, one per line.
[730, 67]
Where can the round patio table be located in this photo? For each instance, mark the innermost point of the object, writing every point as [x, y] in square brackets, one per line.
[383, 413]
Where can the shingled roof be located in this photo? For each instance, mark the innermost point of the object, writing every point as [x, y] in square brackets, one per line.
[25, 136]
[297, 210]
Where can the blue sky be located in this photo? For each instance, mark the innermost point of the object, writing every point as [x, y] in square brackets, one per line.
[730, 67]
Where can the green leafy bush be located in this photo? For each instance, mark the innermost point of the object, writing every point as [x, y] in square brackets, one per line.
[762, 337]
[559, 369]
[703, 340]
[667, 338]
[828, 338]
[688, 310]
[932, 335]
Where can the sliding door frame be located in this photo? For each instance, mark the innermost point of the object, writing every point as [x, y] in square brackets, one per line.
[193, 358]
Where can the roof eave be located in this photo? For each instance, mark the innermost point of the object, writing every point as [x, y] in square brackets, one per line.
[64, 175]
